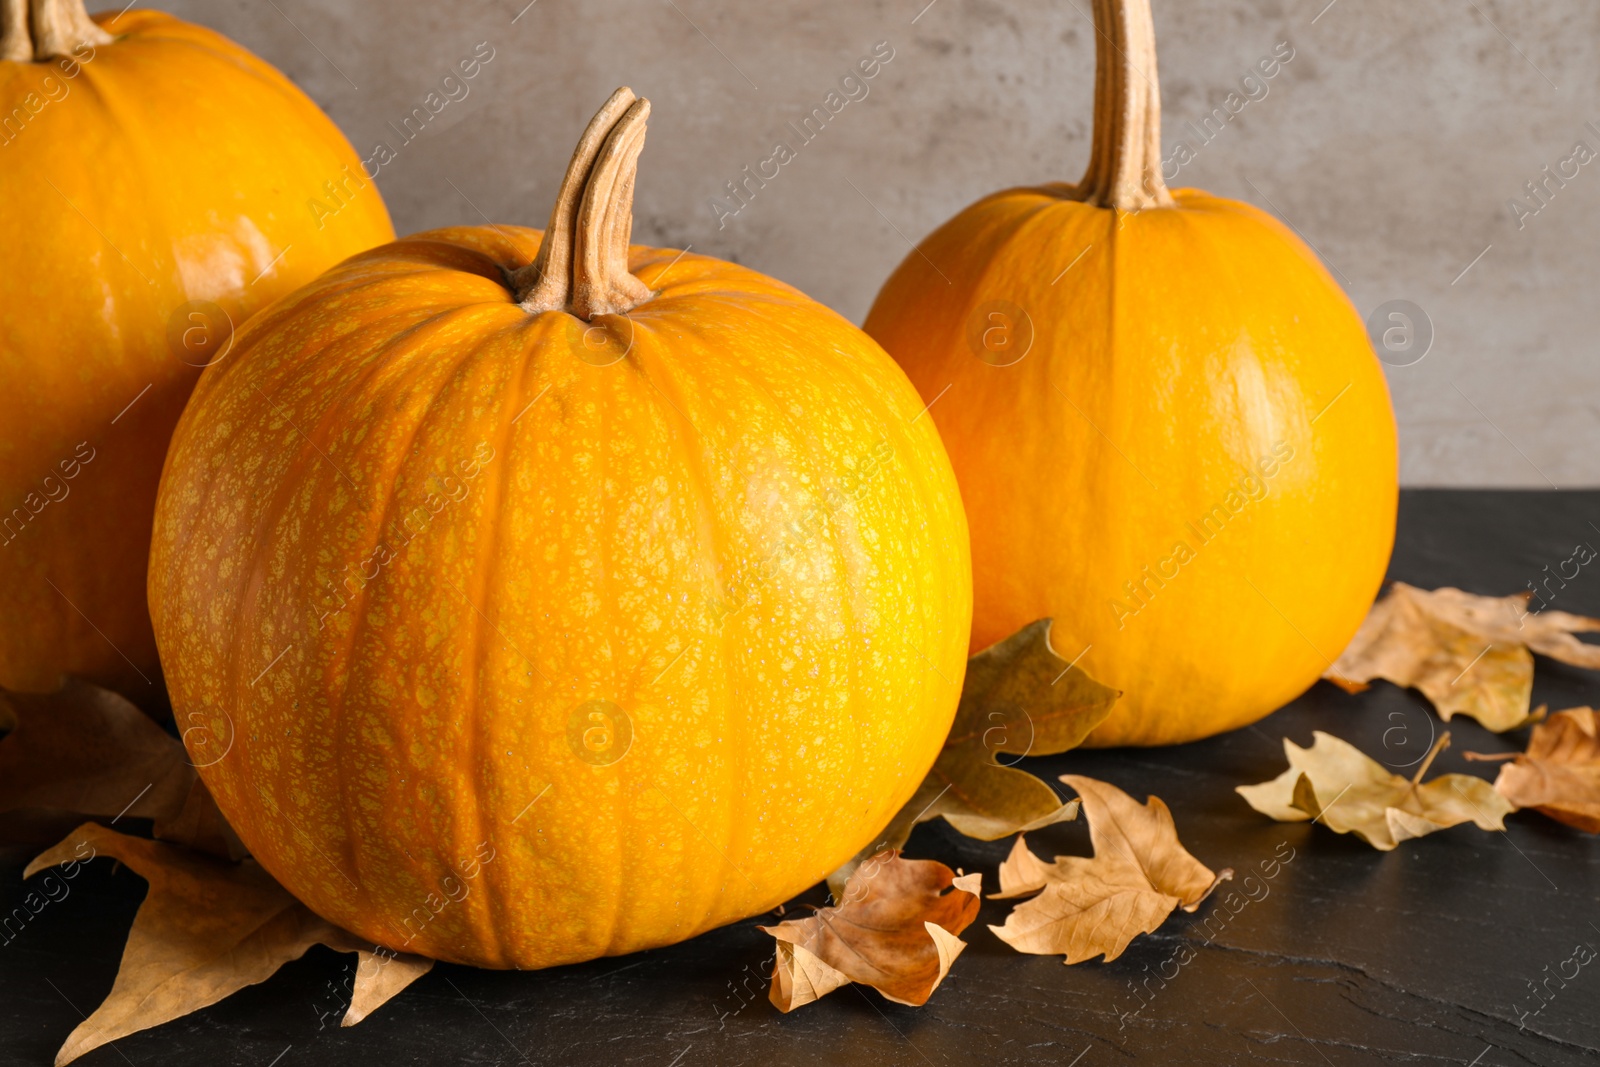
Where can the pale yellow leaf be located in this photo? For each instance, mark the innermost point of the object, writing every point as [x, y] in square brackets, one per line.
[798, 977]
[1021, 872]
[1090, 907]
[1468, 654]
[1335, 783]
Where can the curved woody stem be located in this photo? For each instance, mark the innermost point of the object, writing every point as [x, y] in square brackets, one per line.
[582, 265]
[43, 29]
[1125, 160]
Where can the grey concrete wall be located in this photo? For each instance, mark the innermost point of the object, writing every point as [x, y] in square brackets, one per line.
[1393, 141]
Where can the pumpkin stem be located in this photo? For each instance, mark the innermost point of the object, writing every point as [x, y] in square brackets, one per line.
[58, 26]
[582, 265]
[1125, 160]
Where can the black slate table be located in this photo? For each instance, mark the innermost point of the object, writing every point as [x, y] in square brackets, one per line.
[1346, 956]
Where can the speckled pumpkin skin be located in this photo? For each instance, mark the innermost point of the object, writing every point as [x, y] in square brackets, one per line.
[1183, 359]
[172, 166]
[411, 534]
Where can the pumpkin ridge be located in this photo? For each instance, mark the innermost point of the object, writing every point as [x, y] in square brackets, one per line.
[207, 384]
[485, 567]
[392, 355]
[235, 650]
[1002, 234]
[692, 459]
[711, 537]
[615, 643]
[880, 404]
[264, 322]
[852, 709]
[600, 392]
[212, 46]
[730, 714]
[736, 716]
[1117, 389]
[883, 405]
[634, 362]
[403, 349]
[275, 508]
[525, 336]
[921, 477]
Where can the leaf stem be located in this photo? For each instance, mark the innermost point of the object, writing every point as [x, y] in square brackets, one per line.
[1427, 761]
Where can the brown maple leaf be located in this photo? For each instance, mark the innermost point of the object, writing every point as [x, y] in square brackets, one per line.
[1088, 907]
[1338, 785]
[207, 928]
[87, 750]
[1020, 699]
[1468, 654]
[895, 930]
[1559, 774]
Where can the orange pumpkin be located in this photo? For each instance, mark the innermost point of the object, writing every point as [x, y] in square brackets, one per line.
[1170, 431]
[158, 184]
[554, 609]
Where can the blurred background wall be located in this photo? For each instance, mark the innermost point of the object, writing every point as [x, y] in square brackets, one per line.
[1397, 140]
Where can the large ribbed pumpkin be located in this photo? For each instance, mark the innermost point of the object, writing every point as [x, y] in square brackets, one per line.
[1169, 428]
[557, 609]
[158, 185]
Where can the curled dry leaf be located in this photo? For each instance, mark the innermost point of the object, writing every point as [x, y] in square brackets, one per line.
[1335, 783]
[207, 928]
[87, 750]
[1559, 774]
[895, 929]
[1021, 699]
[1468, 654]
[1088, 907]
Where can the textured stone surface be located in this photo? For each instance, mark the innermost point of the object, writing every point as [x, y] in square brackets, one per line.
[1393, 141]
[1321, 951]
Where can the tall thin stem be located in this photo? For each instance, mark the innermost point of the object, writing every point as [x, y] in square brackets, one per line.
[1125, 159]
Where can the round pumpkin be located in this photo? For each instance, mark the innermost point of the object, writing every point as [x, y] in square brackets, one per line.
[1169, 428]
[158, 185]
[557, 608]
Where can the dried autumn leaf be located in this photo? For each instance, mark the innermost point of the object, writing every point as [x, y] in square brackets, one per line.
[1468, 654]
[1088, 907]
[1021, 873]
[1022, 699]
[1559, 774]
[1335, 783]
[895, 930]
[89, 751]
[207, 928]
